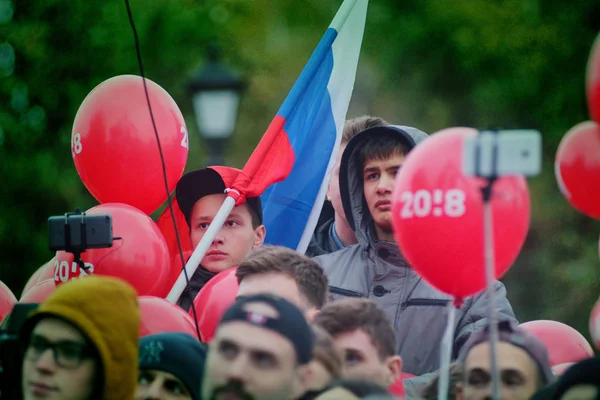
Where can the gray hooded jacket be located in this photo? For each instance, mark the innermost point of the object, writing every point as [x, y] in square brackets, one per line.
[377, 270]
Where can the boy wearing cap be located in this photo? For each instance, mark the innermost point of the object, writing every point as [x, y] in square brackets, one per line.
[171, 367]
[522, 360]
[261, 350]
[200, 195]
[82, 343]
[375, 268]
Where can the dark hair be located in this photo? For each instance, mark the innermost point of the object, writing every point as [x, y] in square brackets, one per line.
[352, 314]
[326, 352]
[359, 387]
[354, 126]
[256, 219]
[308, 274]
[430, 391]
[380, 147]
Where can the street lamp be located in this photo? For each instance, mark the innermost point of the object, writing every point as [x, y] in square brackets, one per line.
[216, 92]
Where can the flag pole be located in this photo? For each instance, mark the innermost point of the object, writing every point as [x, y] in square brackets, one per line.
[194, 261]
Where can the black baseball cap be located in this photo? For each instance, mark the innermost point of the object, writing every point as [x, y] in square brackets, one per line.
[206, 181]
[289, 323]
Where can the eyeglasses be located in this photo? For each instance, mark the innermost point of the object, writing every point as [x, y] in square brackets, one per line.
[67, 354]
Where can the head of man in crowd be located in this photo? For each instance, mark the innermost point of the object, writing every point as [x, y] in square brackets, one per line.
[285, 273]
[171, 367]
[522, 360]
[200, 195]
[82, 343]
[261, 350]
[351, 128]
[365, 335]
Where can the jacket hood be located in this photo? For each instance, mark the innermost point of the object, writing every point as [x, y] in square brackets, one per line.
[105, 310]
[351, 177]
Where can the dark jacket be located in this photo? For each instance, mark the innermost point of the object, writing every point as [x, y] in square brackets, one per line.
[197, 281]
[377, 270]
[322, 242]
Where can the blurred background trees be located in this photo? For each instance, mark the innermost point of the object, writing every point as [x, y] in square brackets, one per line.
[432, 64]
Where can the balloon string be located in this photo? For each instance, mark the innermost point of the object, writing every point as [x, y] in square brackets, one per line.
[446, 353]
[162, 159]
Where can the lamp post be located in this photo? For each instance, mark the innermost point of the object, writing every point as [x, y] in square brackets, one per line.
[216, 90]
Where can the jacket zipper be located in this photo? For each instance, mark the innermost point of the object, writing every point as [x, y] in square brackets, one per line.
[424, 302]
[344, 292]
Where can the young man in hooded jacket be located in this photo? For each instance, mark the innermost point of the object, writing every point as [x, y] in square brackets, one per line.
[375, 268]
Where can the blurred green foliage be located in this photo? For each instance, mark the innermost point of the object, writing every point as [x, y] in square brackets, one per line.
[432, 64]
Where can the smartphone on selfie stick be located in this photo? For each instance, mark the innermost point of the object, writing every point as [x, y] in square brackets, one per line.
[491, 155]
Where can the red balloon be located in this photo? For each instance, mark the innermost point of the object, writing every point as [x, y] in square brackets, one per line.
[7, 301]
[577, 168]
[140, 257]
[165, 224]
[560, 369]
[438, 216]
[47, 271]
[114, 145]
[593, 81]
[564, 343]
[177, 267]
[34, 279]
[158, 315]
[213, 300]
[39, 293]
[595, 324]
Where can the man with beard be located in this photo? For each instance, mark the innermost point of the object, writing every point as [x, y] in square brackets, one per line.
[261, 350]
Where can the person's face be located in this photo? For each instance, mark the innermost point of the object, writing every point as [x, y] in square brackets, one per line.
[333, 191]
[160, 385]
[249, 362]
[581, 392]
[519, 376]
[378, 181]
[58, 364]
[235, 239]
[274, 283]
[362, 360]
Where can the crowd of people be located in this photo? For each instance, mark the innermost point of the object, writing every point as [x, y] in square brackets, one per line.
[350, 319]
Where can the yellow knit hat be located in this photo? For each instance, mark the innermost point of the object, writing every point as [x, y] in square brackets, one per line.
[105, 309]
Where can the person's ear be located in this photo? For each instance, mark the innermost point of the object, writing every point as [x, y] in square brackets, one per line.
[459, 391]
[305, 374]
[259, 236]
[394, 366]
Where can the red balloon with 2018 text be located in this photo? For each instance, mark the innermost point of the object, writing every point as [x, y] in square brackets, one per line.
[437, 216]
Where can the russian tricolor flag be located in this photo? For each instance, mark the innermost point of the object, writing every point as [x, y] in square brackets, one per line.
[291, 165]
[300, 146]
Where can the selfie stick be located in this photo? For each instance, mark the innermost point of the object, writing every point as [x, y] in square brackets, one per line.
[488, 243]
